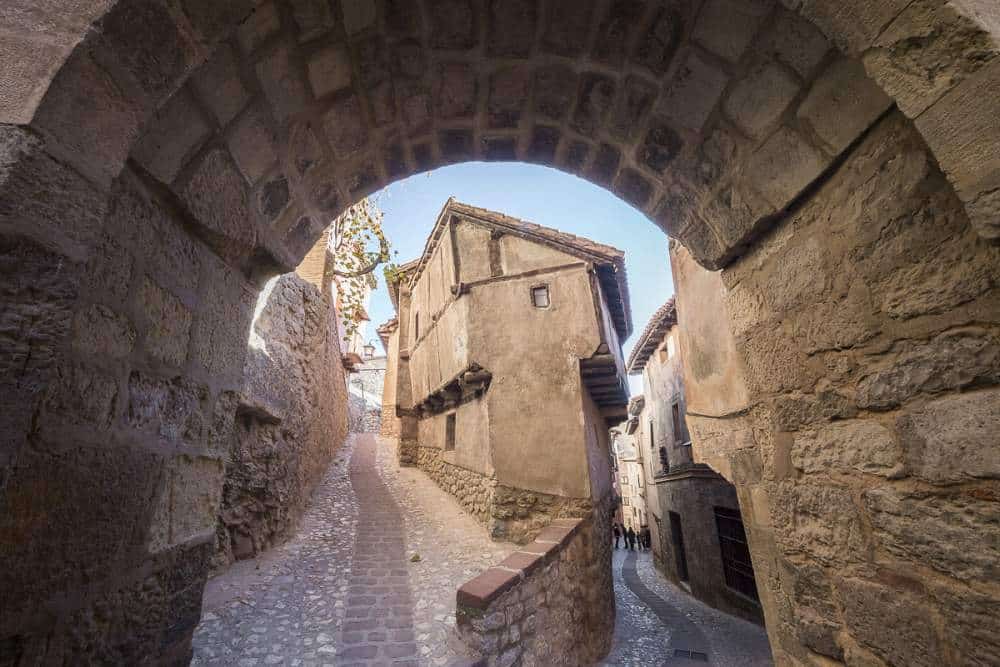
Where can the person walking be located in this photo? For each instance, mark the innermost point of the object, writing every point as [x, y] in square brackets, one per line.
[647, 538]
[630, 538]
[617, 532]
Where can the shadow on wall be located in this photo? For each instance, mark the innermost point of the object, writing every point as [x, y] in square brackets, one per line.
[291, 418]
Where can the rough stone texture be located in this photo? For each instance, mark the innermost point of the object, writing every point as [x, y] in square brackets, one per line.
[551, 603]
[291, 420]
[863, 465]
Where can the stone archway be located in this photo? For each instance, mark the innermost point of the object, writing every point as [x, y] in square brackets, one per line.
[185, 150]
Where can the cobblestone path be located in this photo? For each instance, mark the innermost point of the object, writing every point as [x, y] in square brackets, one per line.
[371, 575]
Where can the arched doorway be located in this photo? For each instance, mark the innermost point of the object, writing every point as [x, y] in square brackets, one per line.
[186, 150]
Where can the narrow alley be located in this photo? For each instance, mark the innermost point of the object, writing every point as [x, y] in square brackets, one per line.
[370, 578]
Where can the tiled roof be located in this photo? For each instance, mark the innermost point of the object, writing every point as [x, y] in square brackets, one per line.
[659, 324]
[609, 261]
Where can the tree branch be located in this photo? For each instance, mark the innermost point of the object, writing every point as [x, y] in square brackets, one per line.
[383, 255]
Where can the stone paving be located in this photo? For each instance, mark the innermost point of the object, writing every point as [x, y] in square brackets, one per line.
[371, 575]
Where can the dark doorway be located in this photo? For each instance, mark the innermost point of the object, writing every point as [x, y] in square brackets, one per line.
[677, 537]
[736, 563]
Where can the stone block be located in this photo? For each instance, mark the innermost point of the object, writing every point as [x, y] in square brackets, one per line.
[252, 143]
[262, 24]
[508, 94]
[950, 361]
[783, 166]
[656, 47]
[953, 439]
[216, 195]
[593, 101]
[455, 90]
[842, 103]
[963, 130]
[818, 521]
[955, 533]
[303, 150]
[453, 24]
[222, 326]
[359, 15]
[100, 332]
[543, 146]
[173, 409]
[177, 131]
[88, 118]
[895, 624]
[344, 126]
[616, 26]
[109, 271]
[511, 27]
[758, 99]
[503, 149]
[330, 70]
[863, 445]
[215, 20]
[478, 593]
[414, 106]
[565, 22]
[852, 25]
[633, 188]
[30, 63]
[555, 88]
[218, 84]
[44, 199]
[726, 27]
[279, 77]
[372, 58]
[635, 99]
[605, 165]
[272, 197]
[150, 46]
[659, 147]
[313, 18]
[402, 19]
[693, 93]
[196, 490]
[81, 395]
[794, 41]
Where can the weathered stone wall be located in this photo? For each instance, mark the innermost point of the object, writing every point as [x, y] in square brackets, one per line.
[550, 603]
[515, 515]
[867, 339]
[290, 421]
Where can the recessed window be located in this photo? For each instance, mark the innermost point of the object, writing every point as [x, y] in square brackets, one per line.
[736, 564]
[416, 326]
[540, 296]
[449, 433]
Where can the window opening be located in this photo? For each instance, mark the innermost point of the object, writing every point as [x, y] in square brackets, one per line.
[540, 296]
[736, 564]
[449, 433]
[677, 539]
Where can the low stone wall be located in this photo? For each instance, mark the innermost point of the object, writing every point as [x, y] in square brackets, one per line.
[550, 603]
[291, 418]
[510, 514]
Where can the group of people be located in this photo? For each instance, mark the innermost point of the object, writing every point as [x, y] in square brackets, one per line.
[633, 540]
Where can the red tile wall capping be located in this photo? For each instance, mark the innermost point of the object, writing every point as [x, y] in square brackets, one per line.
[478, 593]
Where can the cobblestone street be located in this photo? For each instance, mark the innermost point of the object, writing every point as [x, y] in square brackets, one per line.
[371, 576]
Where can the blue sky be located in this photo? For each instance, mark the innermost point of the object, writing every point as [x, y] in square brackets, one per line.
[538, 194]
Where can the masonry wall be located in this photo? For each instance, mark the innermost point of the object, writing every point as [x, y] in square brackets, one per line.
[550, 603]
[389, 422]
[860, 424]
[290, 420]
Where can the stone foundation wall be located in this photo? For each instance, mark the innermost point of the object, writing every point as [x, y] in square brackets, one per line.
[550, 603]
[514, 515]
[291, 419]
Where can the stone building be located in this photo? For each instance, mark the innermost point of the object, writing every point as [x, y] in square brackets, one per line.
[698, 537]
[630, 476]
[365, 386]
[510, 367]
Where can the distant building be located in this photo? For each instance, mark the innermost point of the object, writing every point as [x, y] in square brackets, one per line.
[630, 477]
[509, 369]
[698, 536]
[365, 384]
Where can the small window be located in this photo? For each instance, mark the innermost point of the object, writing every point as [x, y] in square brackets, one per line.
[671, 350]
[449, 433]
[540, 296]
[416, 326]
[736, 564]
[680, 427]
